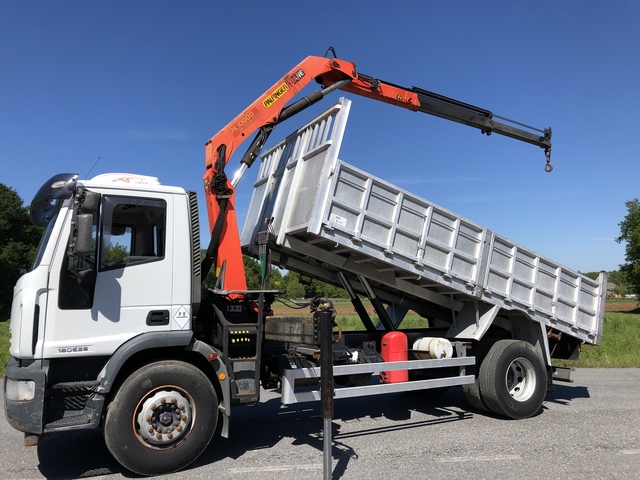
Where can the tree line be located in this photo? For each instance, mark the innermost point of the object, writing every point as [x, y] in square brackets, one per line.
[19, 240]
[618, 278]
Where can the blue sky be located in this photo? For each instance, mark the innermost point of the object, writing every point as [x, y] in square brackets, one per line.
[142, 85]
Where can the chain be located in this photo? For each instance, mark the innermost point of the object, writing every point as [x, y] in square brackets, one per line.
[547, 153]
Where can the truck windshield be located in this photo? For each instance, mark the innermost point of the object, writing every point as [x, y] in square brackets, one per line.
[46, 205]
[44, 240]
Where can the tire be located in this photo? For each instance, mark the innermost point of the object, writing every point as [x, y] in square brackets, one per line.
[472, 390]
[513, 379]
[162, 418]
[474, 397]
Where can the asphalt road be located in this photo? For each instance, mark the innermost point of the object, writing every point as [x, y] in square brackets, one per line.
[589, 430]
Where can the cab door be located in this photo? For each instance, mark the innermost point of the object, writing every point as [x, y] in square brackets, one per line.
[128, 288]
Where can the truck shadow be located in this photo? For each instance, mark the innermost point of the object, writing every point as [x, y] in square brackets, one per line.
[563, 394]
[76, 454]
[264, 425]
[302, 424]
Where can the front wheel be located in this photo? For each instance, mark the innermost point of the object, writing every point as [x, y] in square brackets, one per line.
[513, 379]
[162, 418]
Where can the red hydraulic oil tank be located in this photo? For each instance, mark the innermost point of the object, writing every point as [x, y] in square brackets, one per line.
[394, 349]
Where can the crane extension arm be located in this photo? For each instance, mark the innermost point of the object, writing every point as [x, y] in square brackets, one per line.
[271, 108]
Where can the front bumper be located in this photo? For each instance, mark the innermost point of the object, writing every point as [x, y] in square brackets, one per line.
[25, 415]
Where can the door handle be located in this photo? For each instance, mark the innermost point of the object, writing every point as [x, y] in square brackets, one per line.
[157, 318]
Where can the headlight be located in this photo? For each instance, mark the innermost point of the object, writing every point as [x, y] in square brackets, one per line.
[20, 390]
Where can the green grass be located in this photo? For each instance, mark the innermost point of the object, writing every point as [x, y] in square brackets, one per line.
[4, 343]
[351, 322]
[620, 346]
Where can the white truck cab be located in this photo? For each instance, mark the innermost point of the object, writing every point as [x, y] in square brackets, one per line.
[116, 263]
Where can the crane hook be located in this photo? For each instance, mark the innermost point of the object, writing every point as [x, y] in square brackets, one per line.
[547, 153]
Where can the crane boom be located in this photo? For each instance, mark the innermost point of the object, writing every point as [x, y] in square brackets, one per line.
[271, 108]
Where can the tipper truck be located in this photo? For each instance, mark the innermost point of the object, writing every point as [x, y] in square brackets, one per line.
[111, 329]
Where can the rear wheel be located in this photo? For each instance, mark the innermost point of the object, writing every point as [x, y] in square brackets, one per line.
[512, 379]
[162, 418]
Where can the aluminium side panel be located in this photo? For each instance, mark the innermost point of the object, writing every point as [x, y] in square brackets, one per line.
[294, 177]
[411, 246]
[418, 239]
[549, 292]
[412, 235]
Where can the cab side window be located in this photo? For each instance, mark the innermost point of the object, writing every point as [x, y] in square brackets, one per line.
[132, 231]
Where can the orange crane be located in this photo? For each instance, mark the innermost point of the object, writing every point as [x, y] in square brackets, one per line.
[271, 108]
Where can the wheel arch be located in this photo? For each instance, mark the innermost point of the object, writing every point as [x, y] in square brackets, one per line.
[521, 327]
[150, 348]
[485, 323]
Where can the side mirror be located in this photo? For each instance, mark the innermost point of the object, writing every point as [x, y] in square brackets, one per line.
[81, 240]
[88, 202]
[83, 244]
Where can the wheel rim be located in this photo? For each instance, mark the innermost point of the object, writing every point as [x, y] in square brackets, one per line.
[521, 379]
[164, 417]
